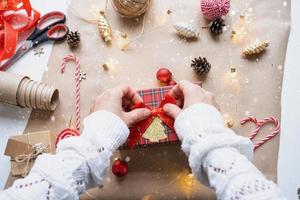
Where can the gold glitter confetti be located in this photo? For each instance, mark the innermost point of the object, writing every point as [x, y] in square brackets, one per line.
[232, 69]
[105, 67]
[240, 30]
[122, 40]
[147, 197]
[187, 183]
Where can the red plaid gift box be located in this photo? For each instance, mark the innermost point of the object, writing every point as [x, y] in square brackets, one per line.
[152, 98]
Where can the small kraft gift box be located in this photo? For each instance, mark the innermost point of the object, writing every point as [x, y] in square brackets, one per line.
[24, 149]
[158, 129]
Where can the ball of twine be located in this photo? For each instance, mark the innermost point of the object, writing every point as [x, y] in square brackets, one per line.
[131, 8]
[213, 9]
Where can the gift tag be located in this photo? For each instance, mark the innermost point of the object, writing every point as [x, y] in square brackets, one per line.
[156, 131]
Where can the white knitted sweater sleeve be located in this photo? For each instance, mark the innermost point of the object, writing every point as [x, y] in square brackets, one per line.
[80, 162]
[216, 155]
[220, 158]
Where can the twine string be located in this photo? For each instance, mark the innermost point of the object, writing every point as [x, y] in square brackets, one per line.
[36, 150]
[94, 21]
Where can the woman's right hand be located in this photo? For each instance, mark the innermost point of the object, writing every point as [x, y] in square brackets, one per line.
[187, 94]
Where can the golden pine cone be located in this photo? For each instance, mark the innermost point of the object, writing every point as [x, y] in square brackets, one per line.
[255, 48]
[104, 28]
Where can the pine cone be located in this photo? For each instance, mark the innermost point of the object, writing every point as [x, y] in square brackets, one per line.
[104, 28]
[255, 48]
[201, 65]
[73, 39]
[216, 26]
[186, 30]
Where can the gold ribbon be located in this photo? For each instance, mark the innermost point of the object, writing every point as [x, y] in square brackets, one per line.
[36, 150]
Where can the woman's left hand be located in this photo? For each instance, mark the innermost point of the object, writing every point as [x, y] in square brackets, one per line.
[115, 100]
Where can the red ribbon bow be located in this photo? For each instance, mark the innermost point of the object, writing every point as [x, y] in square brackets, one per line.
[139, 128]
[11, 16]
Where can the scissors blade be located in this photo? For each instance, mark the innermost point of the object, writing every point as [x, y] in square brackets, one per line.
[26, 46]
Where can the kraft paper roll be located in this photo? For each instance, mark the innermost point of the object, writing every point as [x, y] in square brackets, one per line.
[24, 92]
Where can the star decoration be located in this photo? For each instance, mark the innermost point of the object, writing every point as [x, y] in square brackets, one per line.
[39, 51]
[82, 75]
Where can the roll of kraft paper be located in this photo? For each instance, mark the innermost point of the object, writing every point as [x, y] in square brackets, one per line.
[24, 92]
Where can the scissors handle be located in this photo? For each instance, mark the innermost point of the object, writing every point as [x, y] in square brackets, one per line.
[55, 33]
[46, 22]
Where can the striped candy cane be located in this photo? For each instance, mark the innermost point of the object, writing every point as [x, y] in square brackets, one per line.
[273, 120]
[68, 132]
[254, 120]
[259, 125]
[74, 58]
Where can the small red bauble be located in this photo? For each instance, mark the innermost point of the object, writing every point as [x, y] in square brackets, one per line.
[164, 75]
[119, 168]
[172, 83]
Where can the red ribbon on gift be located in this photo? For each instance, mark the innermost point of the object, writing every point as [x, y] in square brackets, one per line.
[139, 128]
[11, 16]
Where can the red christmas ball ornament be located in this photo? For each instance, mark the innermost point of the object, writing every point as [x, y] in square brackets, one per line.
[164, 75]
[119, 168]
[172, 83]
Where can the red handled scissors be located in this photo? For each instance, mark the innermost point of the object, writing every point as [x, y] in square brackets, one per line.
[50, 27]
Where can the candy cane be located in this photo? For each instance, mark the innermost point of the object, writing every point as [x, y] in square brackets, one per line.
[74, 58]
[65, 134]
[273, 120]
[254, 120]
[259, 125]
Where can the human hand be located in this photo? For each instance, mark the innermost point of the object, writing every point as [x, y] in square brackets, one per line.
[187, 94]
[116, 100]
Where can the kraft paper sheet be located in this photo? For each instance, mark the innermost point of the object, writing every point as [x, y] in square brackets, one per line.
[24, 92]
[156, 173]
